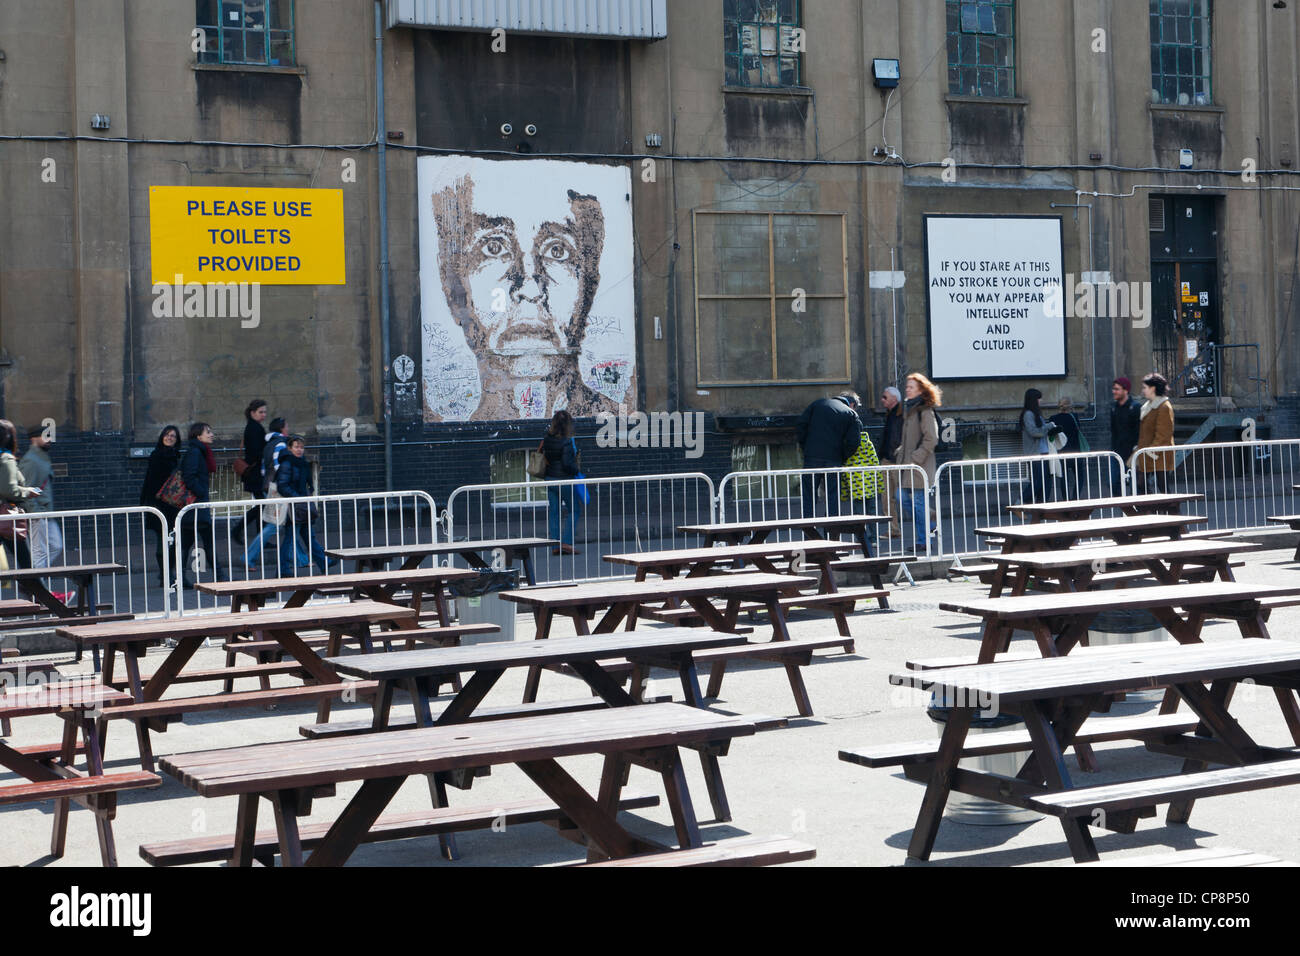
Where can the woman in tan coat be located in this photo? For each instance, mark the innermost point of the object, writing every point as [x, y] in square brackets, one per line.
[1156, 431]
[919, 439]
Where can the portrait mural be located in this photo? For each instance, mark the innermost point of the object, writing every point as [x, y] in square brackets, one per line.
[526, 288]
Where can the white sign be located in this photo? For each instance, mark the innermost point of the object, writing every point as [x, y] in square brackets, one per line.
[994, 291]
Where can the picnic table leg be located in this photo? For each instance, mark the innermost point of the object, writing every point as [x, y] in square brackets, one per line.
[105, 809]
[1286, 698]
[542, 616]
[131, 655]
[1051, 764]
[285, 807]
[1215, 702]
[708, 759]
[597, 824]
[418, 688]
[245, 830]
[67, 752]
[613, 778]
[936, 791]
[679, 802]
[355, 821]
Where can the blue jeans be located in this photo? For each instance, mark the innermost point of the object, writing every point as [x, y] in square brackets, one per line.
[811, 484]
[574, 506]
[913, 502]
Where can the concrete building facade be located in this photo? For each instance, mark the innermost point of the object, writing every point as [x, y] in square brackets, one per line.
[779, 201]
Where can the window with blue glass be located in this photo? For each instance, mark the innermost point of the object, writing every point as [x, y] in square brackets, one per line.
[982, 47]
[762, 42]
[257, 32]
[1180, 52]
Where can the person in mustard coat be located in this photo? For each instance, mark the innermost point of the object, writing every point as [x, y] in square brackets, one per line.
[1155, 431]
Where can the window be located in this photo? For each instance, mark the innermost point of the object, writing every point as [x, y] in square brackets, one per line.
[770, 301]
[1180, 52]
[758, 458]
[511, 467]
[258, 32]
[982, 48]
[761, 45]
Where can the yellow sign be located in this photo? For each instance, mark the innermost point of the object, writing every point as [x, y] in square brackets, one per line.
[273, 236]
[1189, 299]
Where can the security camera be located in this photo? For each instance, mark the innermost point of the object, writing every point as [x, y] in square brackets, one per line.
[506, 129]
[531, 129]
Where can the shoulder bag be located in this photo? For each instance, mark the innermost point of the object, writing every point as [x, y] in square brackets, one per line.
[174, 493]
[537, 461]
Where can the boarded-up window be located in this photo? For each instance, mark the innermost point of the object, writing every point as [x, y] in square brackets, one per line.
[770, 298]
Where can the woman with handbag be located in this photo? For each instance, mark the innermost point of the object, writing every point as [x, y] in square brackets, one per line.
[249, 468]
[12, 493]
[1035, 432]
[561, 453]
[198, 465]
[163, 460]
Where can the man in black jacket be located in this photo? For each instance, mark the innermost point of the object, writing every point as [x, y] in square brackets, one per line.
[829, 432]
[1125, 424]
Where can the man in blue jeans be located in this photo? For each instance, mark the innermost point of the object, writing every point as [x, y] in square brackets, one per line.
[829, 431]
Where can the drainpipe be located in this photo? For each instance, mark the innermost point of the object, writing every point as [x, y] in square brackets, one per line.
[381, 135]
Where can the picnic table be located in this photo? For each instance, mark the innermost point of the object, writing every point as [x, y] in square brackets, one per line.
[1080, 569]
[797, 556]
[1060, 621]
[49, 768]
[421, 672]
[479, 554]
[1293, 521]
[649, 736]
[620, 600]
[150, 711]
[1082, 508]
[756, 532]
[1055, 698]
[30, 582]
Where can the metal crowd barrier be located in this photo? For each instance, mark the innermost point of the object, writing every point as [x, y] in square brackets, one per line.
[287, 537]
[816, 492]
[1243, 482]
[618, 515]
[975, 493]
[133, 538]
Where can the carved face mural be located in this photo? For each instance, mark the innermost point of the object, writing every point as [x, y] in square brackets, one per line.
[526, 286]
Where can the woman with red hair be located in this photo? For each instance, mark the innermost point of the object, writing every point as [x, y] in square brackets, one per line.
[920, 438]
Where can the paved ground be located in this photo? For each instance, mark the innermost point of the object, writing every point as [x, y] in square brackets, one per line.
[785, 781]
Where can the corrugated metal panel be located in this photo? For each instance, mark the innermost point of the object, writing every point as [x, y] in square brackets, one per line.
[632, 19]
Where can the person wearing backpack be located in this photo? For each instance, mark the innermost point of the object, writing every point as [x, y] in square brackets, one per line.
[293, 480]
[561, 453]
[922, 399]
[275, 446]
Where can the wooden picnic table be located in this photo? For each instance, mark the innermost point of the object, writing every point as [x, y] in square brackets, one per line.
[1054, 535]
[1055, 697]
[479, 553]
[756, 532]
[1078, 569]
[799, 557]
[29, 581]
[1060, 621]
[1082, 508]
[421, 672]
[253, 593]
[149, 710]
[621, 599]
[50, 769]
[649, 736]
[1292, 521]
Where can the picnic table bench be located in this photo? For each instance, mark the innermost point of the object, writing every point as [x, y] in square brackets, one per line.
[149, 711]
[418, 672]
[648, 736]
[1060, 621]
[756, 532]
[1293, 522]
[1082, 569]
[478, 554]
[50, 769]
[1055, 697]
[800, 557]
[1080, 509]
[620, 601]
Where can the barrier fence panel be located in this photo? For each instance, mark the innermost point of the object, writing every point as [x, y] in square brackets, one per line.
[288, 537]
[976, 493]
[132, 538]
[1243, 482]
[816, 492]
[591, 517]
